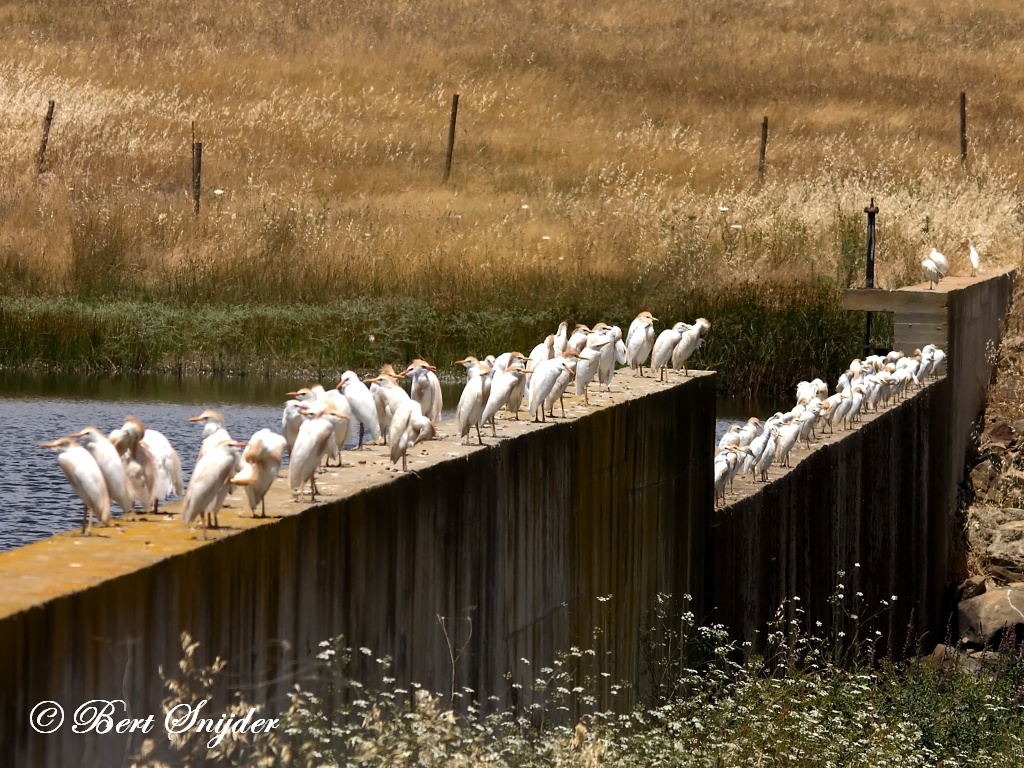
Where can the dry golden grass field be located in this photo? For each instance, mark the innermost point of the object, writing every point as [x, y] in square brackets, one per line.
[606, 153]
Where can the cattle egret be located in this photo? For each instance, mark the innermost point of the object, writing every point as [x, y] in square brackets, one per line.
[109, 462]
[260, 464]
[85, 477]
[408, 427]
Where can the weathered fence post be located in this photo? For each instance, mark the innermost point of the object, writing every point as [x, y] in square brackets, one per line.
[46, 136]
[869, 282]
[963, 129]
[764, 147]
[451, 137]
[197, 172]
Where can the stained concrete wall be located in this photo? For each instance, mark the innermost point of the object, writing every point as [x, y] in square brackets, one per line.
[884, 497]
[520, 539]
[872, 498]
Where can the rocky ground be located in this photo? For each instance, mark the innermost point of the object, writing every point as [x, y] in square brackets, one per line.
[991, 599]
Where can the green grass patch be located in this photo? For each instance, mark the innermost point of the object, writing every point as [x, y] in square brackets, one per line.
[764, 338]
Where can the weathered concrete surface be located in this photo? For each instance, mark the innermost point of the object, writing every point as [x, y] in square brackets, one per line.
[515, 540]
[883, 497]
[863, 504]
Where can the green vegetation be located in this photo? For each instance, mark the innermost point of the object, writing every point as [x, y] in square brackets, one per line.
[810, 700]
[766, 338]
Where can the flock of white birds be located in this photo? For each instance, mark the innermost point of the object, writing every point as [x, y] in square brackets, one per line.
[136, 467]
[867, 385]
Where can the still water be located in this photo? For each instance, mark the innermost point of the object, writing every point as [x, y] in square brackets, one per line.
[37, 500]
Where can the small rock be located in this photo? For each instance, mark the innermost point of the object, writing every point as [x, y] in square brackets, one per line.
[984, 619]
[971, 587]
[982, 477]
[999, 433]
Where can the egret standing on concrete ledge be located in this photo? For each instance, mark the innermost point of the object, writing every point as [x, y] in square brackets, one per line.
[640, 341]
[931, 272]
[85, 477]
[109, 462]
[408, 427]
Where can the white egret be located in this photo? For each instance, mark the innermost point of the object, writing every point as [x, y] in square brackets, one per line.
[749, 431]
[498, 366]
[333, 399]
[261, 462]
[471, 403]
[940, 262]
[214, 429]
[408, 427]
[606, 363]
[722, 471]
[857, 397]
[640, 341]
[84, 474]
[291, 420]
[362, 405]
[313, 441]
[425, 387]
[785, 440]
[544, 379]
[731, 438]
[109, 462]
[139, 465]
[387, 396]
[579, 337]
[169, 480]
[663, 346]
[975, 258]
[689, 342]
[931, 272]
[588, 362]
[543, 351]
[503, 386]
[210, 478]
[764, 461]
[561, 340]
[570, 359]
[211, 421]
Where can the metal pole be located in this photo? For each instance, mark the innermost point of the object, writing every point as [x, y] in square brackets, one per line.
[871, 211]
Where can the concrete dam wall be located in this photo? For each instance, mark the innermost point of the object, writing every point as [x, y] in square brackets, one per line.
[884, 496]
[507, 549]
[510, 545]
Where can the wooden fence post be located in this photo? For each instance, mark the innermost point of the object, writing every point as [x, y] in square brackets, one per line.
[963, 129]
[46, 136]
[451, 138]
[764, 147]
[197, 170]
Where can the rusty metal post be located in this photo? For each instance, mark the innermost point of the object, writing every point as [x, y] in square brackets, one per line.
[47, 121]
[451, 138]
[869, 282]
